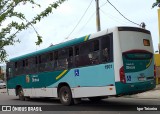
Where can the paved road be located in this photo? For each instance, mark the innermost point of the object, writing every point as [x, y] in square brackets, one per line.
[110, 105]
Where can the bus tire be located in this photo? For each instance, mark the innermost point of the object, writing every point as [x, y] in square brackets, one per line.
[65, 95]
[21, 94]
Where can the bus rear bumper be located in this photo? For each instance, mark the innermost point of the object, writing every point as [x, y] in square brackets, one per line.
[134, 88]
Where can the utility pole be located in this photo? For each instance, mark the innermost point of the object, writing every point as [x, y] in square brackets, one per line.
[97, 16]
[159, 27]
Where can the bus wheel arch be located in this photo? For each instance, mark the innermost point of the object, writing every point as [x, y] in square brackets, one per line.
[20, 93]
[17, 88]
[61, 85]
[65, 94]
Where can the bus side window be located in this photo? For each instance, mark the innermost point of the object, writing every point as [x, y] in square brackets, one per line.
[42, 62]
[105, 54]
[83, 55]
[56, 55]
[44, 58]
[62, 58]
[94, 52]
[76, 50]
[32, 66]
[49, 64]
[36, 60]
[55, 60]
[25, 63]
[96, 45]
[70, 52]
[106, 48]
[51, 56]
[9, 72]
[77, 56]
[16, 65]
[70, 58]
[39, 59]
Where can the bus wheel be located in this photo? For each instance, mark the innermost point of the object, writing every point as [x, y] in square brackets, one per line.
[21, 94]
[65, 95]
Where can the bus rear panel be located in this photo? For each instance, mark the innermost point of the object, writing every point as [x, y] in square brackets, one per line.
[137, 72]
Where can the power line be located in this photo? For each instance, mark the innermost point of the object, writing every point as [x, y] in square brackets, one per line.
[122, 14]
[103, 4]
[102, 12]
[113, 18]
[80, 19]
[87, 22]
[91, 17]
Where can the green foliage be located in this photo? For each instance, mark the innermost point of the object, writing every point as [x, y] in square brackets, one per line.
[8, 33]
[1, 76]
[157, 3]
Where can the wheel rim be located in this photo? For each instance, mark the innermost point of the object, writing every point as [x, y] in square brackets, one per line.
[65, 96]
[21, 93]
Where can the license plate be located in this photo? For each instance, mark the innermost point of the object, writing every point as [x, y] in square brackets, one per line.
[141, 78]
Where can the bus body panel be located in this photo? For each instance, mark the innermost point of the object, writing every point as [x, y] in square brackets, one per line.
[93, 91]
[133, 88]
[138, 63]
[100, 79]
[117, 55]
[130, 40]
[36, 92]
[79, 79]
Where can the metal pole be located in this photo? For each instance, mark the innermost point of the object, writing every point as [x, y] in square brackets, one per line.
[159, 28]
[97, 16]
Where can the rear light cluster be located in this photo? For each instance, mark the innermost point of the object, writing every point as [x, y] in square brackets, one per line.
[154, 71]
[122, 75]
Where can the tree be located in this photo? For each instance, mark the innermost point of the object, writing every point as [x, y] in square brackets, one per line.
[2, 76]
[157, 3]
[9, 32]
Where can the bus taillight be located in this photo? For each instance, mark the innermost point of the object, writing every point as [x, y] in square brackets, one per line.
[122, 75]
[154, 71]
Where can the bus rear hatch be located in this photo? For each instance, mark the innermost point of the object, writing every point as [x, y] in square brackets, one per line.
[138, 66]
[137, 55]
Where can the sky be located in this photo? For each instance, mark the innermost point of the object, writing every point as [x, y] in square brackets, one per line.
[57, 26]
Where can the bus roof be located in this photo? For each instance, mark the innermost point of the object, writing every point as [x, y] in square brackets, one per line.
[78, 40]
[51, 48]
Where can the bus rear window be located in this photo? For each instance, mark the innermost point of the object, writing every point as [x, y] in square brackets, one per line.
[146, 42]
[138, 56]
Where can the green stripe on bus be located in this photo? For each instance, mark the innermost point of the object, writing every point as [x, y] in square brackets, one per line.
[60, 75]
[86, 38]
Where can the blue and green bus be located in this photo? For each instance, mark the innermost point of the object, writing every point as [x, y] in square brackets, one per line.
[114, 62]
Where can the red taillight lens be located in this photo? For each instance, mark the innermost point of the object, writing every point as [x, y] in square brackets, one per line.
[154, 71]
[122, 75]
